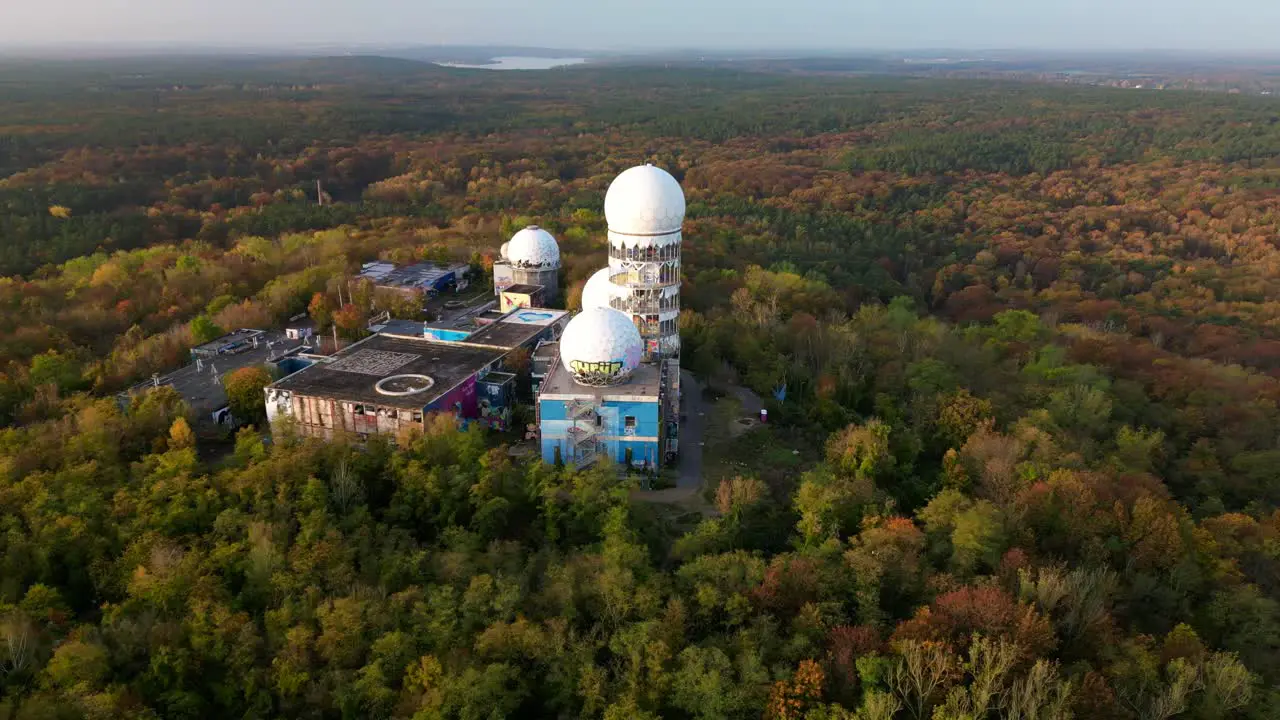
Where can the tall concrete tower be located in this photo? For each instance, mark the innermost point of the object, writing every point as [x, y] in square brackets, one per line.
[645, 212]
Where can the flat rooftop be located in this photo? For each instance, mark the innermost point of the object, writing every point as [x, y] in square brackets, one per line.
[516, 328]
[411, 328]
[354, 373]
[243, 335]
[498, 378]
[522, 289]
[547, 350]
[544, 357]
[196, 383]
[421, 275]
[644, 385]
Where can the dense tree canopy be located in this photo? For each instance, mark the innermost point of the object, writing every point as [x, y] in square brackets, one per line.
[1025, 467]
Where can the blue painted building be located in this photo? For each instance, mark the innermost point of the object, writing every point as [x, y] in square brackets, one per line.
[580, 424]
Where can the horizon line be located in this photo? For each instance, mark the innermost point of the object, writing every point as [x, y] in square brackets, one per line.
[85, 50]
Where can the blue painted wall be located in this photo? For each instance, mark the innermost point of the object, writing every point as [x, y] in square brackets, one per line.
[645, 413]
[552, 410]
[640, 451]
[611, 429]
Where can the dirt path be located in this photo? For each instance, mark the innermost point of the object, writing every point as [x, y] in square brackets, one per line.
[751, 402]
[693, 432]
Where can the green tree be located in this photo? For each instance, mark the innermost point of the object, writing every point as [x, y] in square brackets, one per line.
[969, 532]
[831, 505]
[1015, 331]
[57, 369]
[861, 451]
[244, 388]
[78, 666]
[203, 329]
[708, 686]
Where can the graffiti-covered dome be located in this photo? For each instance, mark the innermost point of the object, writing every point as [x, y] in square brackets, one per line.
[601, 346]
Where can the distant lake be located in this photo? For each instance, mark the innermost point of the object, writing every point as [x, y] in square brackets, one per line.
[516, 62]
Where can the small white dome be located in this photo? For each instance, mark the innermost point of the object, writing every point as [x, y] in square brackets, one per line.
[599, 291]
[533, 247]
[644, 200]
[601, 346]
[503, 251]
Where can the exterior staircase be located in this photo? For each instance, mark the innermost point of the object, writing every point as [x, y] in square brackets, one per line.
[584, 432]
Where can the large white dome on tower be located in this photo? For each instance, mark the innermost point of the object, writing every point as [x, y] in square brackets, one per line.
[644, 200]
[601, 346]
[533, 247]
[599, 291]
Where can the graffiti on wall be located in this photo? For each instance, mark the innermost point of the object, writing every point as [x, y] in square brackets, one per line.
[596, 368]
[460, 400]
[496, 416]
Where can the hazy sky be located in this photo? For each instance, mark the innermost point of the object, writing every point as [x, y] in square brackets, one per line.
[1231, 25]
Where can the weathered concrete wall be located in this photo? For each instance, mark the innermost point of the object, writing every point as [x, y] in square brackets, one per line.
[327, 418]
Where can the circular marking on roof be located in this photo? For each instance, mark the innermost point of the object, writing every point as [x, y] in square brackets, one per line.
[402, 385]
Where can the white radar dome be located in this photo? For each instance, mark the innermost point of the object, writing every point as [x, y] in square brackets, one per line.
[503, 250]
[601, 346]
[644, 200]
[599, 291]
[533, 247]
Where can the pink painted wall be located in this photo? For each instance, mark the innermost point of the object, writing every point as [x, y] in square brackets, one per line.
[465, 394]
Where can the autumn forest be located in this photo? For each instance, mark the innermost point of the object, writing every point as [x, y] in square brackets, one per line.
[1027, 465]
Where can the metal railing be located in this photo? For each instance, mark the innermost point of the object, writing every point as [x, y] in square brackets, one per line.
[579, 409]
[581, 461]
[641, 279]
[582, 435]
[645, 307]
